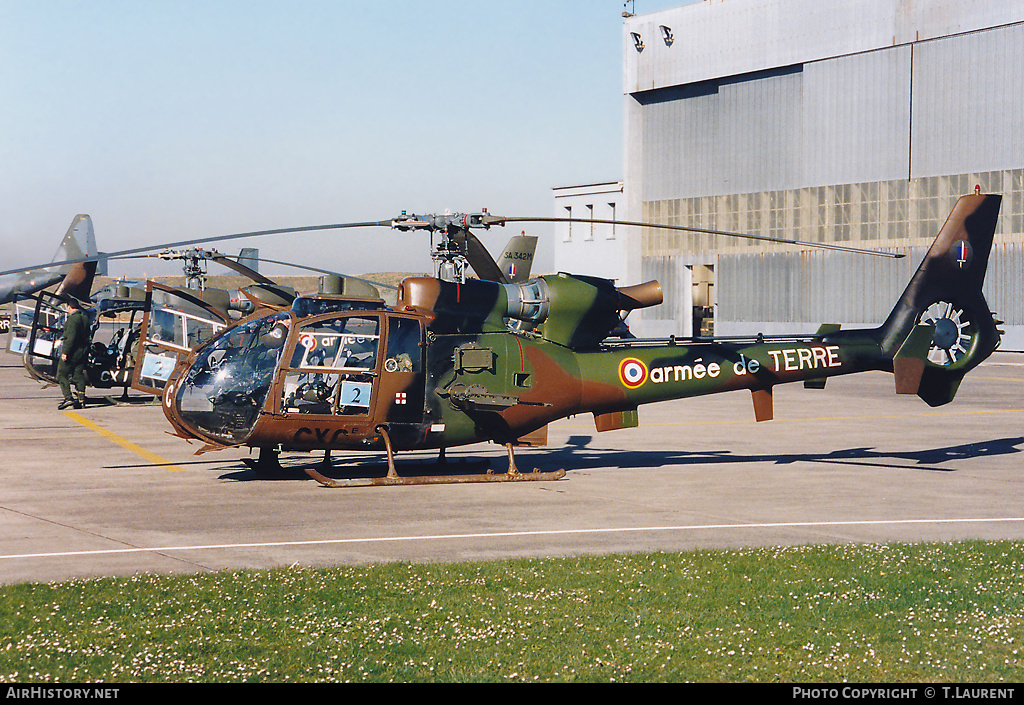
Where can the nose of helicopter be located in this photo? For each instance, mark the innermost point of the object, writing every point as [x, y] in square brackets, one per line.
[222, 393]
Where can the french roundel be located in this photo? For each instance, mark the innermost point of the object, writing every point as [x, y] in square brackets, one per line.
[632, 373]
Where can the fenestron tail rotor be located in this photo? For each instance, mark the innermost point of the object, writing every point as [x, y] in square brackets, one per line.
[954, 333]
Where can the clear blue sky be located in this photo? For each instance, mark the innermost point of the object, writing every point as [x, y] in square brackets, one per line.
[166, 120]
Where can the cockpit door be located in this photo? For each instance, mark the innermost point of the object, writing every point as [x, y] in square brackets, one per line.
[333, 369]
[44, 337]
[175, 322]
[361, 369]
[401, 396]
[21, 325]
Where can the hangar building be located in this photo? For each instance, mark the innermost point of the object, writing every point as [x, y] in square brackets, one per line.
[852, 121]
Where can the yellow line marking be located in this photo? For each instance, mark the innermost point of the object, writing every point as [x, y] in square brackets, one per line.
[123, 442]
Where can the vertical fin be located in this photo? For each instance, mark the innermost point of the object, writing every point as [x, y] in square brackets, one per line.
[946, 292]
[764, 410]
[909, 362]
[614, 420]
[516, 260]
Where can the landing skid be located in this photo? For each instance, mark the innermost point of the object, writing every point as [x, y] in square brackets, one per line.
[435, 479]
[125, 400]
[393, 478]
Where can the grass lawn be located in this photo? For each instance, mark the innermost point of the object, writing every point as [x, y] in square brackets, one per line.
[861, 613]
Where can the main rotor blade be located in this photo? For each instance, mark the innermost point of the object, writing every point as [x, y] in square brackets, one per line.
[705, 231]
[230, 261]
[479, 258]
[235, 266]
[216, 238]
[221, 259]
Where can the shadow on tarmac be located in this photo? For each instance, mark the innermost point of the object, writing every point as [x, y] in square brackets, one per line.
[577, 454]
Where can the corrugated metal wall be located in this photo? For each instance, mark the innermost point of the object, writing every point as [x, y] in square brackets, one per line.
[872, 147]
[856, 117]
[818, 286]
[969, 103]
[834, 287]
[723, 136]
[843, 120]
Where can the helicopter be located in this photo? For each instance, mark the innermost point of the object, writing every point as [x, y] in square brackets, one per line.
[39, 311]
[39, 315]
[459, 360]
[39, 319]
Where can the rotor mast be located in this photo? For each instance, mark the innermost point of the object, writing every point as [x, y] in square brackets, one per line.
[194, 265]
[450, 251]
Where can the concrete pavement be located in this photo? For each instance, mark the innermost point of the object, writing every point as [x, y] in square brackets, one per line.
[108, 491]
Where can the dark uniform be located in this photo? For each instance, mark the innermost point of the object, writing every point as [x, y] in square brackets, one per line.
[73, 353]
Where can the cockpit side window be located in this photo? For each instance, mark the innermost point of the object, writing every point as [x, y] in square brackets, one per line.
[332, 367]
[340, 343]
[404, 352]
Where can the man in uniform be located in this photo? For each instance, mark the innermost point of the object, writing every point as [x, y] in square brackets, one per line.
[73, 352]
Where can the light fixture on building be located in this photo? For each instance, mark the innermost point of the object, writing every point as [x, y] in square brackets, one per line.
[638, 41]
[666, 34]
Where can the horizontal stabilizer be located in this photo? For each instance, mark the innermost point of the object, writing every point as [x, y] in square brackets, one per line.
[823, 330]
[938, 387]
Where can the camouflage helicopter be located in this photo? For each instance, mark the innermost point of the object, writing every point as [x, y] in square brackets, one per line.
[458, 361]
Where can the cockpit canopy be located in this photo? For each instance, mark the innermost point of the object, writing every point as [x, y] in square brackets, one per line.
[223, 391]
[328, 364]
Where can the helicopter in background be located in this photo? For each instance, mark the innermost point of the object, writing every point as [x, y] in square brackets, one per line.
[37, 327]
[114, 313]
[38, 310]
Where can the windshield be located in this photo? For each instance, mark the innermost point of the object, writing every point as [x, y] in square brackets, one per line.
[223, 392]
